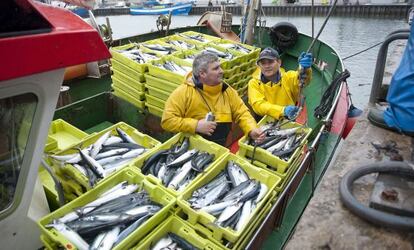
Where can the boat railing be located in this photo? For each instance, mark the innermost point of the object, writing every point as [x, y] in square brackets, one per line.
[377, 83]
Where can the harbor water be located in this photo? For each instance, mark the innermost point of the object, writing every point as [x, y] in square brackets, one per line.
[346, 35]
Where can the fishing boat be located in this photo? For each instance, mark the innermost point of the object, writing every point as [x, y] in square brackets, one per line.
[94, 107]
[176, 9]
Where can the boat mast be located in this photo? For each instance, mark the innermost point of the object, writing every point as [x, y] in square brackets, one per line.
[251, 21]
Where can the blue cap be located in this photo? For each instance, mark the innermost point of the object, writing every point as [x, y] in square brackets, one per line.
[268, 53]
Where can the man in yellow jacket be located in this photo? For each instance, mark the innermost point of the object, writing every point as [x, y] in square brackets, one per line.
[274, 92]
[206, 105]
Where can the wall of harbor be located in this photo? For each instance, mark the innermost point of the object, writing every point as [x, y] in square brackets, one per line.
[377, 11]
[373, 11]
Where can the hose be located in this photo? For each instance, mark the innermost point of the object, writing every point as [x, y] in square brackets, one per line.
[372, 215]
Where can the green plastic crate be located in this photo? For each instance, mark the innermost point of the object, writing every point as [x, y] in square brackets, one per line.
[158, 93]
[126, 70]
[133, 177]
[142, 139]
[154, 101]
[154, 110]
[196, 141]
[266, 157]
[138, 84]
[198, 45]
[166, 74]
[159, 83]
[207, 220]
[65, 134]
[159, 42]
[129, 98]
[51, 145]
[181, 228]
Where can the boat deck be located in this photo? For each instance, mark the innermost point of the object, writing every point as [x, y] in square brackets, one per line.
[326, 223]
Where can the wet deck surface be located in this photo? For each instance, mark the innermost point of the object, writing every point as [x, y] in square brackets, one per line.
[326, 223]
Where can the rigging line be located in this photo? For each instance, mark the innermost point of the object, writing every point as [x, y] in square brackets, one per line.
[362, 51]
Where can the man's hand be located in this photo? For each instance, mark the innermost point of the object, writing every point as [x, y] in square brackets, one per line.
[290, 111]
[305, 60]
[206, 127]
[257, 135]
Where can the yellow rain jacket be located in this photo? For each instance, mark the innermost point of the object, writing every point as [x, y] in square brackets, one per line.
[186, 106]
[268, 98]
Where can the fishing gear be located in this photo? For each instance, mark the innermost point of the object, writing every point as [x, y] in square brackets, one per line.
[328, 96]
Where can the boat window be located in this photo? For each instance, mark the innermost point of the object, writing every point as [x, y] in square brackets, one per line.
[16, 118]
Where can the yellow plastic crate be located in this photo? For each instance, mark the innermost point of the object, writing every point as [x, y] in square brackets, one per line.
[206, 219]
[268, 158]
[159, 42]
[154, 110]
[119, 85]
[124, 69]
[131, 80]
[196, 141]
[207, 37]
[51, 145]
[182, 229]
[159, 83]
[166, 74]
[132, 177]
[158, 93]
[65, 134]
[154, 101]
[139, 67]
[198, 45]
[129, 98]
[142, 139]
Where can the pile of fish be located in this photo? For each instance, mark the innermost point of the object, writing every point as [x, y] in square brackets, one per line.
[106, 221]
[177, 166]
[198, 37]
[224, 55]
[280, 142]
[172, 241]
[231, 196]
[173, 67]
[161, 49]
[181, 44]
[235, 46]
[108, 154]
[137, 55]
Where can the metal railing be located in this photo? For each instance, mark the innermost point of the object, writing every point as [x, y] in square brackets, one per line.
[377, 82]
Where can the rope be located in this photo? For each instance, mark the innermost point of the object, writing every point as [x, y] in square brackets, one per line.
[329, 95]
[371, 47]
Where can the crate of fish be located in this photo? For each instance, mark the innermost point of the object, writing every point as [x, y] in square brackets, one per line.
[176, 233]
[170, 69]
[159, 47]
[180, 161]
[128, 97]
[126, 70]
[283, 143]
[158, 93]
[187, 55]
[249, 52]
[114, 215]
[198, 37]
[228, 197]
[51, 145]
[228, 73]
[155, 101]
[65, 134]
[154, 110]
[133, 56]
[136, 83]
[228, 59]
[127, 88]
[161, 84]
[181, 43]
[101, 154]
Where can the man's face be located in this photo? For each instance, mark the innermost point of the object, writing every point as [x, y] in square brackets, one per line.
[213, 75]
[269, 67]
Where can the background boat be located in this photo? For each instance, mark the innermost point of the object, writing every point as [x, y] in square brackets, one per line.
[176, 9]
